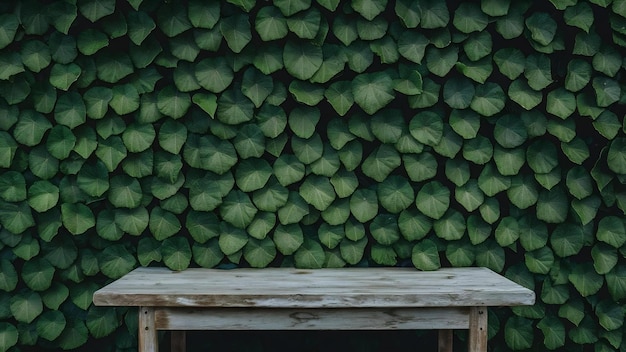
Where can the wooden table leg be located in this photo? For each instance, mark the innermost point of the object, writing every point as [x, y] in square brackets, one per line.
[477, 341]
[445, 340]
[179, 341]
[148, 336]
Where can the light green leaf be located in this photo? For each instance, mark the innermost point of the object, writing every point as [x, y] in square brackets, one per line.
[207, 102]
[310, 255]
[270, 24]
[616, 157]
[441, 61]
[125, 192]
[115, 261]
[433, 199]
[256, 86]
[495, 8]
[237, 209]
[163, 224]
[29, 130]
[469, 195]
[364, 204]
[237, 32]
[305, 24]
[291, 7]
[317, 191]
[395, 194]
[518, 333]
[173, 103]
[561, 103]
[369, 9]
[425, 256]
[509, 131]
[288, 238]
[9, 24]
[381, 162]
[611, 230]
[50, 324]
[542, 156]
[176, 253]
[412, 46]
[259, 253]
[16, 217]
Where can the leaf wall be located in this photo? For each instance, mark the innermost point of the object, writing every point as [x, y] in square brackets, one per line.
[313, 134]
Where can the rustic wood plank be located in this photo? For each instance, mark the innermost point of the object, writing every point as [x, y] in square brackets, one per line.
[477, 340]
[321, 288]
[148, 335]
[178, 339]
[445, 340]
[171, 318]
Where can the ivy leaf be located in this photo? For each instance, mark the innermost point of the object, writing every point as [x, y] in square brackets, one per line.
[425, 256]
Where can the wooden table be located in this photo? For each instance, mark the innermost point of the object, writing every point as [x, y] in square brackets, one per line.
[321, 299]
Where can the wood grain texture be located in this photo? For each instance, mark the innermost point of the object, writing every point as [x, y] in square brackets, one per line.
[320, 288]
[148, 336]
[477, 339]
[445, 340]
[171, 318]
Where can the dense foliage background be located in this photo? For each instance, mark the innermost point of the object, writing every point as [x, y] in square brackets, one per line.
[316, 134]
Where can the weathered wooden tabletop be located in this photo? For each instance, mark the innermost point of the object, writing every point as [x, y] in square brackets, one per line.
[319, 288]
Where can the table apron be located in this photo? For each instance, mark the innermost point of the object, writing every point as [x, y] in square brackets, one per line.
[193, 318]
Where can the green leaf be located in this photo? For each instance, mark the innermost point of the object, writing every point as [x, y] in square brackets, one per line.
[291, 7]
[552, 205]
[310, 255]
[35, 55]
[173, 103]
[115, 261]
[553, 332]
[607, 91]
[113, 68]
[101, 321]
[412, 46]
[203, 14]
[616, 283]
[567, 240]
[339, 95]
[433, 199]
[26, 306]
[469, 18]
[16, 217]
[237, 209]
[364, 204]
[384, 229]
[427, 127]
[77, 218]
[97, 101]
[369, 9]
[451, 226]
[425, 256]
[521, 93]
[29, 130]
[234, 108]
[457, 171]
[604, 258]
[578, 75]
[488, 100]
[538, 71]
[236, 30]
[509, 131]
[469, 195]
[202, 226]
[561, 103]
[381, 162]
[163, 224]
[90, 41]
[176, 253]
[420, 167]
[542, 156]
[94, 10]
[435, 14]
[111, 152]
[491, 182]
[523, 192]
[173, 20]
[395, 194]
[580, 15]
[9, 24]
[441, 61]
[124, 192]
[124, 99]
[140, 25]
[542, 27]
[302, 60]
[308, 150]
[458, 93]
[8, 276]
[495, 8]
[288, 238]
[511, 62]
[259, 253]
[607, 60]
[579, 182]
[62, 76]
[50, 324]
[518, 333]
[306, 93]
[372, 91]
[256, 86]
[611, 230]
[317, 191]
[305, 24]
[270, 24]
[584, 278]
[539, 261]
[70, 110]
[43, 196]
[616, 157]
